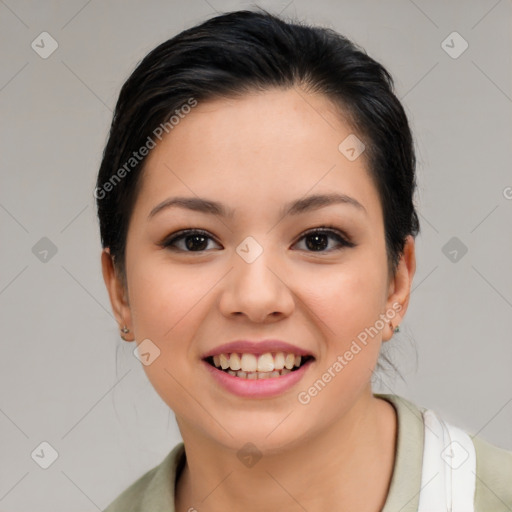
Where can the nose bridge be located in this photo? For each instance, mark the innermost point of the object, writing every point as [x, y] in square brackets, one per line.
[256, 286]
[253, 262]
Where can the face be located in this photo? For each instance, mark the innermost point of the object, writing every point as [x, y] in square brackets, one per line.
[313, 276]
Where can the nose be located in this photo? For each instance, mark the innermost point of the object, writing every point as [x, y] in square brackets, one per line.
[257, 290]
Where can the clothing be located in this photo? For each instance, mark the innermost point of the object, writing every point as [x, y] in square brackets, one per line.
[448, 473]
[154, 491]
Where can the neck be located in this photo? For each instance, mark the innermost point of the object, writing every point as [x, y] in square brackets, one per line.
[332, 471]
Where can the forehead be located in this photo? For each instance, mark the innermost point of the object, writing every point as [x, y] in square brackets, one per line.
[274, 145]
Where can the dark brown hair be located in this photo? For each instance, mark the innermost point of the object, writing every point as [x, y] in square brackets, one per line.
[238, 52]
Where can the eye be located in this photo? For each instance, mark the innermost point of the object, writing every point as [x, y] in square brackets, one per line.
[318, 239]
[196, 240]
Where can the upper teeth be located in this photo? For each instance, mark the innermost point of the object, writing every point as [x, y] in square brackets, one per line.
[267, 362]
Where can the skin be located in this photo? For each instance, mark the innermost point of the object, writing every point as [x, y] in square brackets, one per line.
[255, 154]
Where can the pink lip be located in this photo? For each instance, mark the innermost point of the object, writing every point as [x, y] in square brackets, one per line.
[257, 388]
[256, 347]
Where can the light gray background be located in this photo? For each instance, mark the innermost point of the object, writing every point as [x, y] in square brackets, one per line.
[60, 380]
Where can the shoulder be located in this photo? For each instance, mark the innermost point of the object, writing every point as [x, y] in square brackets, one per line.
[493, 476]
[130, 499]
[154, 490]
[493, 486]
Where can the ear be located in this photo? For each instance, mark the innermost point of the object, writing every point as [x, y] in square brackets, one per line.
[117, 293]
[400, 287]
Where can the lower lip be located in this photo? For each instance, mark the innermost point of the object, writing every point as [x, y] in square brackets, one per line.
[258, 388]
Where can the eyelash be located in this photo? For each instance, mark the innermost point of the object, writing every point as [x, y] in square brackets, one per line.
[331, 231]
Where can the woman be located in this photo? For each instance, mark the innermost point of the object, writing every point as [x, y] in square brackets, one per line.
[256, 210]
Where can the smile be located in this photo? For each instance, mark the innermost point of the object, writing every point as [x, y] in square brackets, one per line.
[252, 366]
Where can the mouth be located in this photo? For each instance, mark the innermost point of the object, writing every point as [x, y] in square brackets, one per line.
[249, 366]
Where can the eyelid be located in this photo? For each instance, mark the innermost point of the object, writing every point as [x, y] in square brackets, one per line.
[344, 240]
[178, 235]
[328, 228]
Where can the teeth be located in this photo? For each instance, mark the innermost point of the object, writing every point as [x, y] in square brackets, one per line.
[266, 363]
[234, 362]
[224, 361]
[251, 366]
[289, 361]
[259, 375]
[279, 361]
[249, 363]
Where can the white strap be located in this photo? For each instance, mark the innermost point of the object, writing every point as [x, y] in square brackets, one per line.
[449, 468]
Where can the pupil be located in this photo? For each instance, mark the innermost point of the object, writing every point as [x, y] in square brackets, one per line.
[192, 245]
[316, 237]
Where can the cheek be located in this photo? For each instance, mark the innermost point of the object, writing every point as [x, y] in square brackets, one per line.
[162, 301]
[165, 303]
[347, 306]
[348, 298]
[163, 296]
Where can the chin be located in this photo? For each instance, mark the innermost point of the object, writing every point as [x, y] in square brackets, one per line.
[267, 440]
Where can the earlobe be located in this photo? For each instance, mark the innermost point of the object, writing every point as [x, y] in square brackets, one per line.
[124, 332]
[117, 294]
[400, 286]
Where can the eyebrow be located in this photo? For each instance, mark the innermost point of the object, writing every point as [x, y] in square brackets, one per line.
[296, 207]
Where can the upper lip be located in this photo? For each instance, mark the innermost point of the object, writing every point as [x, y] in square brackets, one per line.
[256, 347]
